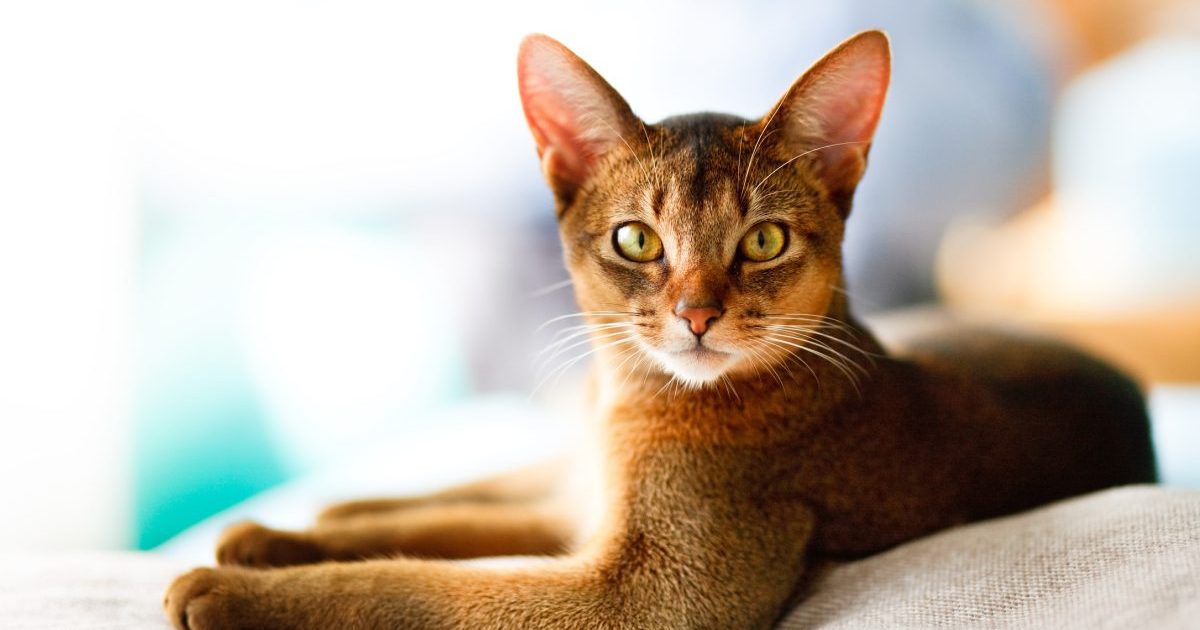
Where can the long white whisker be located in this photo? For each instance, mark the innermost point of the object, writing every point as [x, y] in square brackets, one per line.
[757, 142]
[777, 169]
[841, 357]
[641, 165]
[583, 342]
[870, 356]
[789, 355]
[551, 288]
[577, 331]
[822, 321]
[851, 376]
[566, 365]
[771, 370]
[582, 314]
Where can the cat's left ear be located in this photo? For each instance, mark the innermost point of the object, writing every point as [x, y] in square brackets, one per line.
[576, 117]
[833, 109]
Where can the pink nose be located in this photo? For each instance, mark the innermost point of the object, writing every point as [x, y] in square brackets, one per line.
[698, 317]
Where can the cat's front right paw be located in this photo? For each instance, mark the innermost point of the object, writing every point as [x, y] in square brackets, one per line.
[252, 545]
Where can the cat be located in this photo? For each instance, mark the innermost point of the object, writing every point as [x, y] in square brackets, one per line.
[748, 425]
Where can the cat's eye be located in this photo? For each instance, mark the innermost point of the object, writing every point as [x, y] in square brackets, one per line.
[763, 242]
[637, 242]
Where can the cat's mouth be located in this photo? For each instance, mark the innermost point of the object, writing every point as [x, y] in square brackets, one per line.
[701, 352]
[698, 364]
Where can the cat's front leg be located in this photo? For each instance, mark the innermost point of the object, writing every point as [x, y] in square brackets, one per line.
[531, 483]
[451, 530]
[642, 580]
[388, 594]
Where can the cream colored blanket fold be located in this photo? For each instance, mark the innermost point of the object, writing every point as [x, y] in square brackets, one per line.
[1124, 558]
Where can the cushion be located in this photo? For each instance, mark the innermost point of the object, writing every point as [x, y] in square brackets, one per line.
[1123, 558]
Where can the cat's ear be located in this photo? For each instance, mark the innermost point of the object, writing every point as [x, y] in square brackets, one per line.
[832, 110]
[575, 115]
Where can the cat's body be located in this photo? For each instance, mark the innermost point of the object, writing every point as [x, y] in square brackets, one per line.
[746, 423]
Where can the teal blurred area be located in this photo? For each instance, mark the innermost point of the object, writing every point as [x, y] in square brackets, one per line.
[267, 348]
[201, 437]
[198, 452]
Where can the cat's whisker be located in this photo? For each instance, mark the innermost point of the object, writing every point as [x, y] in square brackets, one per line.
[650, 147]
[624, 357]
[779, 192]
[809, 347]
[576, 331]
[770, 369]
[761, 132]
[730, 387]
[841, 357]
[808, 330]
[584, 314]
[641, 356]
[757, 360]
[641, 165]
[550, 288]
[567, 334]
[638, 366]
[789, 356]
[797, 157]
[830, 322]
[670, 380]
[807, 334]
[567, 364]
[591, 339]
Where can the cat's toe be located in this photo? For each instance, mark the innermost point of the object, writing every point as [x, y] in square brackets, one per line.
[250, 544]
[203, 599]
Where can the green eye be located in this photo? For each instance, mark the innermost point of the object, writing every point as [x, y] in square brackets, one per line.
[763, 242]
[637, 242]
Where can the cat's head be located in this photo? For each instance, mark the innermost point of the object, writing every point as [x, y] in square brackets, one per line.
[707, 243]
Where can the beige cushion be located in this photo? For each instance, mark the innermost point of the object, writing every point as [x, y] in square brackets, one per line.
[1126, 558]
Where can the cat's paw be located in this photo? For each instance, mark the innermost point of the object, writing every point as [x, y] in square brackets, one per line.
[252, 545]
[208, 599]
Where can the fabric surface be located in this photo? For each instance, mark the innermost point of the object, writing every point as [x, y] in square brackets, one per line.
[1124, 558]
[85, 591]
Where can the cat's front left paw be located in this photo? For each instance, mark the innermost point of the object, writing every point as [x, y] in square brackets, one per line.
[252, 545]
[208, 599]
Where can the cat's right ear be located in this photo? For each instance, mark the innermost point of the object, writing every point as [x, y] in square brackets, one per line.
[832, 110]
[576, 117]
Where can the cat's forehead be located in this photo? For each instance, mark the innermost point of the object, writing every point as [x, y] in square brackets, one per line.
[698, 165]
[709, 171]
[699, 179]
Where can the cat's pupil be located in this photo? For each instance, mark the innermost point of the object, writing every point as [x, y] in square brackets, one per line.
[641, 240]
[762, 239]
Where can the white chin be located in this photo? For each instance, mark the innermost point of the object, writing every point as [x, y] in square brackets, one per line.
[696, 367]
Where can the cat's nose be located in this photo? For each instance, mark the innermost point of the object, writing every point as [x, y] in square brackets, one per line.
[698, 316]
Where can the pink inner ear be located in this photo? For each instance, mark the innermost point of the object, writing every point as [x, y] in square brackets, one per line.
[557, 137]
[574, 115]
[852, 100]
[837, 105]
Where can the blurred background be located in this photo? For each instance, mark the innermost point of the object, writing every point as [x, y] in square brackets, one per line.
[244, 243]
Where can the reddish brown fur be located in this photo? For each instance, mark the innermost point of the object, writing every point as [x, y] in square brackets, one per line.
[716, 495]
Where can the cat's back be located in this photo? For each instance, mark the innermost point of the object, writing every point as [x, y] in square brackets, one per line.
[1062, 422]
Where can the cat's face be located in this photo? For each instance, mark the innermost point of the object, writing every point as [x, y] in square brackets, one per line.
[705, 245]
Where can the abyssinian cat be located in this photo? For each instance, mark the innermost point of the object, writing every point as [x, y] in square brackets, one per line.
[748, 425]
